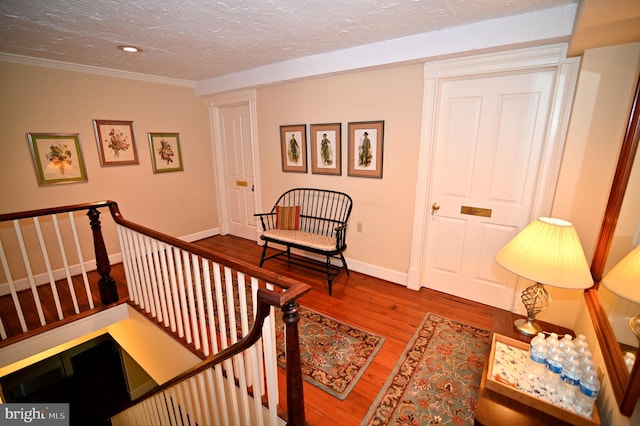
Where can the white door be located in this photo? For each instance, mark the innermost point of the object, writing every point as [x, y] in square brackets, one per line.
[490, 135]
[237, 153]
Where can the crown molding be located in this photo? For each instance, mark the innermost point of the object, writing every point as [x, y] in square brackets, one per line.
[538, 28]
[106, 72]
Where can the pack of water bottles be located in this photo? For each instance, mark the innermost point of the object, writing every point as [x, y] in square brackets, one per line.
[565, 370]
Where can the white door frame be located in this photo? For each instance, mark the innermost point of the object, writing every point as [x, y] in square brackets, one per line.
[215, 103]
[546, 57]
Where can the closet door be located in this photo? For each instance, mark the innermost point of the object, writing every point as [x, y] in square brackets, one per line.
[489, 138]
[238, 170]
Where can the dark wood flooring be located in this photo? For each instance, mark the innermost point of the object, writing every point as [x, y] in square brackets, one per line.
[375, 305]
[11, 321]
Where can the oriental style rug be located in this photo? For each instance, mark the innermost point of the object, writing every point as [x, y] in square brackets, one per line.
[437, 378]
[334, 355]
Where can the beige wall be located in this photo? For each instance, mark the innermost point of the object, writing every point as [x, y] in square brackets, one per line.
[394, 94]
[601, 109]
[383, 206]
[598, 119]
[48, 100]
[37, 99]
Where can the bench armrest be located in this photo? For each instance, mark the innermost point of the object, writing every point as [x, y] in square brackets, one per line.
[267, 220]
[340, 235]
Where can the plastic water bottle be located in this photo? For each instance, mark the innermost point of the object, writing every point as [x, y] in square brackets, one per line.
[569, 380]
[537, 358]
[589, 389]
[567, 357]
[552, 342]
[587, 364]
[554, 368]
[586, 357]
[586, 367]
[580, 344]
[566, 343]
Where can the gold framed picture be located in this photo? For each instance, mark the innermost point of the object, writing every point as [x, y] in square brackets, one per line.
[57, 157]
[166, 155]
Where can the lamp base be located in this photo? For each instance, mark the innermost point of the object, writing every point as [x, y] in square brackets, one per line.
[527, 327]
[535, 299]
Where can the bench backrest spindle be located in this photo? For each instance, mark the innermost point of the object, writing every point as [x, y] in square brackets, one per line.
[319, 226]
[320, 210]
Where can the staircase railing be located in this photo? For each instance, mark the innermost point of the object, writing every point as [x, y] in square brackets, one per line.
[217, 305]
[42, 257]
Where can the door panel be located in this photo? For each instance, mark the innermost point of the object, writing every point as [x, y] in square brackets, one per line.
[238, 173]
[457, 166]
[490, 136]
[449, 236]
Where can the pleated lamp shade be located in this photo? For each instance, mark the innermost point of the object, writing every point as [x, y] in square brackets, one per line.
[548, 251]
[624, 278]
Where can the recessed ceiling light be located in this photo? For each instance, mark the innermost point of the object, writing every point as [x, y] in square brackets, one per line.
[130, 49]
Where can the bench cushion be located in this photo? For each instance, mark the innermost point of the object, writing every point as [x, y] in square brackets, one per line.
[288, 217]
[320, 242]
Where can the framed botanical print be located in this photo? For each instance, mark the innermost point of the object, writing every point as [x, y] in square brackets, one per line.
[326, 149]
[116, 142]
[165, 152]
[57, 157]
[293, 148]
[366, 143]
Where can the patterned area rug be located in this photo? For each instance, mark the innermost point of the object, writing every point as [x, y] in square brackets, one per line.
[334, 355]
[437, 378]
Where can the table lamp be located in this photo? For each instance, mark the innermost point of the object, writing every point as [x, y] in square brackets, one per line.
[624, 281]
[547, 251]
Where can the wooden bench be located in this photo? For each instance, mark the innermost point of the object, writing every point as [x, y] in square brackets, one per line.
[312, 220]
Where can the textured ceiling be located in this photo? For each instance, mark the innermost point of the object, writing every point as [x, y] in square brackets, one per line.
[199, 39]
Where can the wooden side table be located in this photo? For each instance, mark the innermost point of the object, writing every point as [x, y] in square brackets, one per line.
[495, 409]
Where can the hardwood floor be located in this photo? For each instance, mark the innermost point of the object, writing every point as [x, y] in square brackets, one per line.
[11, 321]
[375, 305]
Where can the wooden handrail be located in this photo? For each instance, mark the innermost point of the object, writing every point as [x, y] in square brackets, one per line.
[284, 300]
[106, 284]
[294, 288]
[53, 210]
[241, 345]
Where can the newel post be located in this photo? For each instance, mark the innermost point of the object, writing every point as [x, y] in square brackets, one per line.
[295, 395]
[106, 283]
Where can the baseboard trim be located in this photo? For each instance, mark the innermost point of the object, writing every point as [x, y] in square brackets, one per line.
[201, 235]
[375, 271]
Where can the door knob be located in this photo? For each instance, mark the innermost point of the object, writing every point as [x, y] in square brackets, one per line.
[435, 207]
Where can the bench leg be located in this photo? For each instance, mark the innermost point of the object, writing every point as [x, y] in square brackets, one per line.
[264, 252]
[344, 263]
[329, 277]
